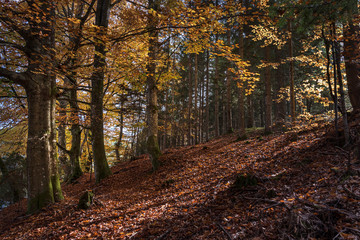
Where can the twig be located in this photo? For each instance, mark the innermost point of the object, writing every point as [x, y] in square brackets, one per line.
[224, 230]
[357, 232]
[162, 236]
[98, 202]
[269, 201]
[326, 208]
[353, 195]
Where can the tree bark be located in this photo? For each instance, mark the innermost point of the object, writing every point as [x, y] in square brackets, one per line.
[196, 118]
[292, 89]
[152, 90]
[119, 140]
[216, 93]
[229, 127]
[63, 155]
[241, 94]
[102, 169]
[352, 65]
[190, 104]
[39, 84]
[207, 107]
[268, 100]
[75, 151]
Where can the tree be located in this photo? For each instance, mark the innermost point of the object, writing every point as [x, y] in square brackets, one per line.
[102, 169]
[152, 90]
[38, 80]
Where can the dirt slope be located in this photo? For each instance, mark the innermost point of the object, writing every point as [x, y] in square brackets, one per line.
[301, 192]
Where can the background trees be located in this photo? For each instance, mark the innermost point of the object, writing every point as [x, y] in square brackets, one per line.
[123, 78]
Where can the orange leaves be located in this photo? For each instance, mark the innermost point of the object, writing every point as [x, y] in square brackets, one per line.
[200, 198]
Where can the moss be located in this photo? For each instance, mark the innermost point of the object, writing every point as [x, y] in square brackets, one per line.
[154, 151]
[41, 200]
[104, 172]
[56, 187]
[86, 200]
[76, 173]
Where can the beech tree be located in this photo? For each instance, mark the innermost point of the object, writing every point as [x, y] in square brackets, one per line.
[102, 169]
[34, 39]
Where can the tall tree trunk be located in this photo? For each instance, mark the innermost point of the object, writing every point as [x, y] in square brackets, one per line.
[216, 93]
[292, 87]
[352, 66]
[229, 127]
[250, 111]
[166, 120]
[102, 169]
[280, 105]
[241, 94]
[152, 90]
[75, 151]
[207, 107]
[268, 100]
[196, 119]
[40, 156]
[63, 155]
[342, 94]
[119, 140]
[190, 103]
[39, 84]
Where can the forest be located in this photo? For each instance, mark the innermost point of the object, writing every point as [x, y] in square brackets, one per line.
[168, 119]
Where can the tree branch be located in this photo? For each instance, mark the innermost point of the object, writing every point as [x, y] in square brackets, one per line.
[11, 76]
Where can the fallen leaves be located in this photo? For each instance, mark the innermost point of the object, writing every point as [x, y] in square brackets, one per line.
[192, 196]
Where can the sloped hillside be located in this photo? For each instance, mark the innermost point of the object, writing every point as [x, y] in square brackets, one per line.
[281, 186]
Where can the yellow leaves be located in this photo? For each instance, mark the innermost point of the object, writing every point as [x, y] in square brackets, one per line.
[268, 34]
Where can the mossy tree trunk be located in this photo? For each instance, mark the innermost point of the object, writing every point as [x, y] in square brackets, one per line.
[39, 83]
[152, 90]
[102, 169]
[75, 151]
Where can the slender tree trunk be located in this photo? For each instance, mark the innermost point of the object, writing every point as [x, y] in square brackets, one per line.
[196, 117]
[166, 124]
[152, 104]
[102, 169]
[75, 151]
[216, 93]
[190, 103]
[229, 127]
[292, 89]
[119, 140]
[63, 157]
[342, 94]
[201, 99]
[250, 111]
[281, 105]
[241, 94]
[207, 108]
[268, 100]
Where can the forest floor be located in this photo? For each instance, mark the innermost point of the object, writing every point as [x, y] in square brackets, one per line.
[290, 185]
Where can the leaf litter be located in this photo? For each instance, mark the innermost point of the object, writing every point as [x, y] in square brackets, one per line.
[301, 192]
